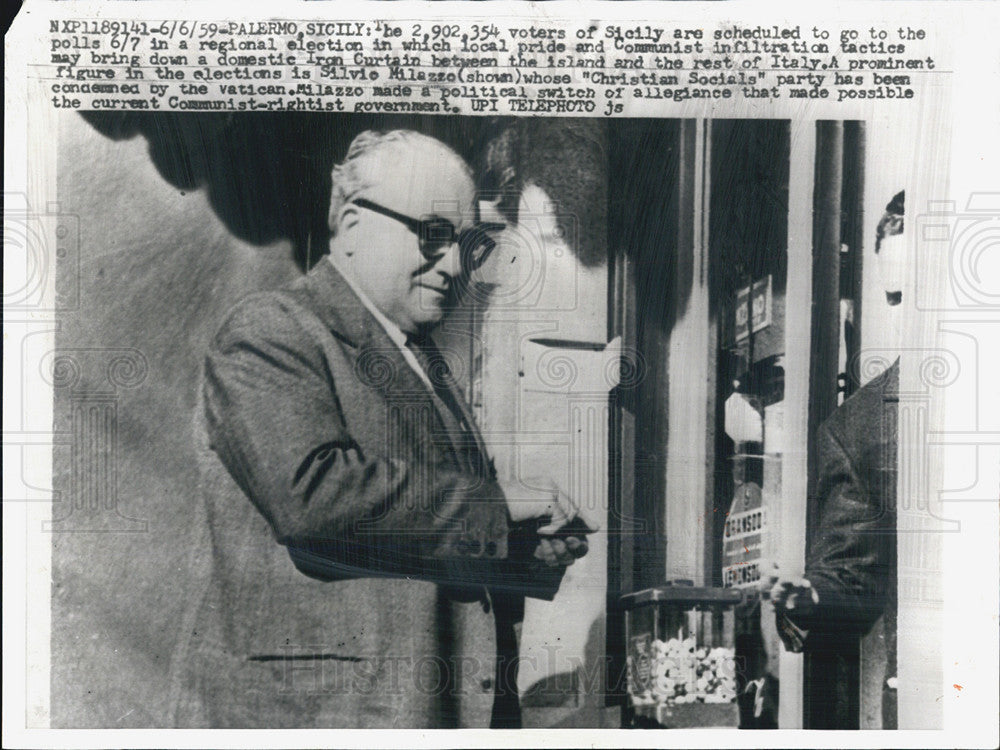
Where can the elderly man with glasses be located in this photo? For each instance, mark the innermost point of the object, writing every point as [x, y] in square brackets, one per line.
[376, 575]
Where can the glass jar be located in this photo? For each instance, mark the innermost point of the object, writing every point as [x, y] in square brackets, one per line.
[680, 655]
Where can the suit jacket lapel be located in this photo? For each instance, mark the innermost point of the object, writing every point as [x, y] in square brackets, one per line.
[377, 359]
[448, 383]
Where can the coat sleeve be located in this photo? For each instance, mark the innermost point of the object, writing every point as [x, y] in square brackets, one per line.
[852, 550]
[275, 421]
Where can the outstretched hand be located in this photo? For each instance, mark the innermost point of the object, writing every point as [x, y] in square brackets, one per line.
[792, 593]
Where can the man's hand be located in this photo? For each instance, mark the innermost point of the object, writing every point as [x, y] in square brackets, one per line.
[564, 549]
[560, 531]
[788, 592]
[539, 498]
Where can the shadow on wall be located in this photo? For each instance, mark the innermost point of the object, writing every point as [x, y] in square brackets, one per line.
[268, 177]
[572, 698]
[567, 159]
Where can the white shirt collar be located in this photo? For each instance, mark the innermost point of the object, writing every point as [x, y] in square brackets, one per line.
[395, 332]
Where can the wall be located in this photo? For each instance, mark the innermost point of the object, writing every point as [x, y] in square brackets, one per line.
[158, 269]
[545, 382]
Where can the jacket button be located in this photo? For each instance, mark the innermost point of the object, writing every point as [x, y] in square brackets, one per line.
[491, 548]
[487, 684]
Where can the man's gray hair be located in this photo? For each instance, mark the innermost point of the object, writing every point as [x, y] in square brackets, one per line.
[348, 178]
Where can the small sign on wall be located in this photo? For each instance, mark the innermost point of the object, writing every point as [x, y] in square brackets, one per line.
[746, 525]
[753, 311]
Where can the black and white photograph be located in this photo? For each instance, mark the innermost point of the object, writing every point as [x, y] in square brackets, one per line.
[548, 416]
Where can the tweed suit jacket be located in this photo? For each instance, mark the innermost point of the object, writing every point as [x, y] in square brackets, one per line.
[360, 574]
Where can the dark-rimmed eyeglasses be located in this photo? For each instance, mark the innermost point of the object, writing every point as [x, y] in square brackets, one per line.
[436, 234]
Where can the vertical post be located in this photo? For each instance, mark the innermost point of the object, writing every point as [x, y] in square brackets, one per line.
[622, 526]
[835, 672]
[789, 526]
[663, 174]
[854, 210]
[692, 340]
[825, 274]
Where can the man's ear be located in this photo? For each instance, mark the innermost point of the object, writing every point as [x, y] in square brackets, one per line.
[347, 219]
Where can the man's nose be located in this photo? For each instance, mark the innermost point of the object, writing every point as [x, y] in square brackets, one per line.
[450, 262]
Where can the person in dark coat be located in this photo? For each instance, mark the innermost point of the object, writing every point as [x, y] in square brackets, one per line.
[850, 572]
[851, 554]
[376, 576]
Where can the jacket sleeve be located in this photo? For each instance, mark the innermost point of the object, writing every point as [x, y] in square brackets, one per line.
[275, 421]
[852, 550]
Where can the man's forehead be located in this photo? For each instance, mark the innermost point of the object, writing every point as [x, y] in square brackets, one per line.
[421, 178]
